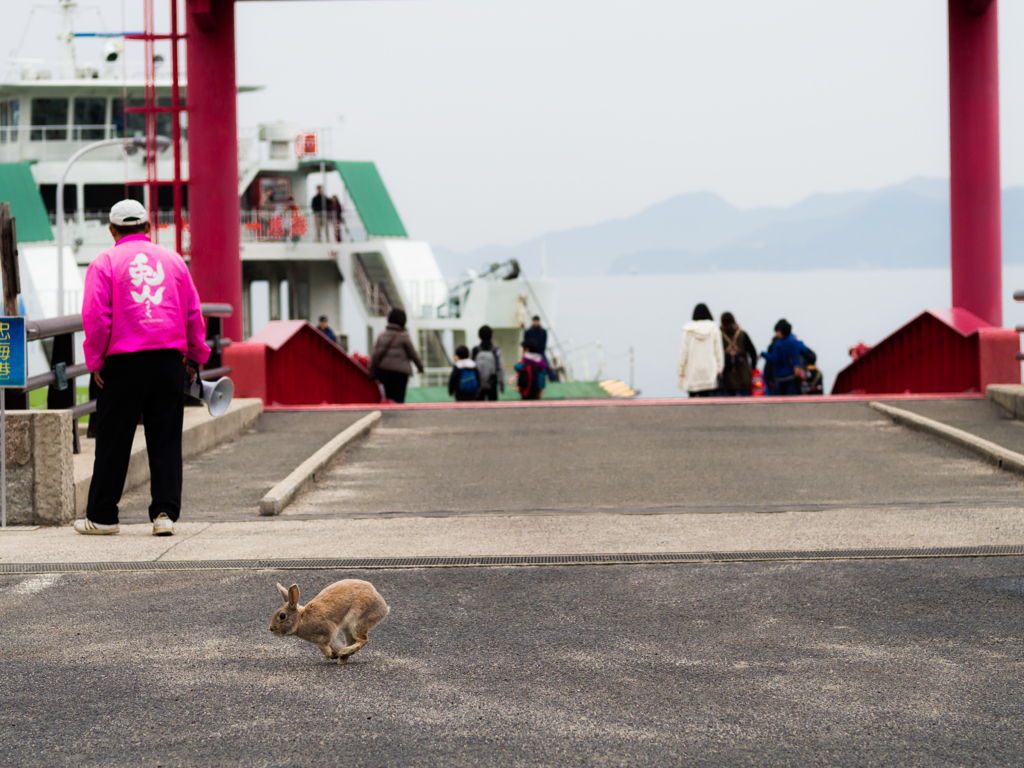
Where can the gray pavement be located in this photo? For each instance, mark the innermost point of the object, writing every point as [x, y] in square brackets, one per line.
[981, 418]
[228, 481]
[646, 459]
[915, 663]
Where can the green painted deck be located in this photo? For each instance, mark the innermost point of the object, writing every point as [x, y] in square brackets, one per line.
[559, 390]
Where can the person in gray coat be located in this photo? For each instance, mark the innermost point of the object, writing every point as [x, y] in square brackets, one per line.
[393, 356]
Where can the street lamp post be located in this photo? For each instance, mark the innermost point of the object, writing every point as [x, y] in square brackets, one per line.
[130, 146]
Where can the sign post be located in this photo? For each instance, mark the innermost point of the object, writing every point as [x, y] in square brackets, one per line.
[13, 371]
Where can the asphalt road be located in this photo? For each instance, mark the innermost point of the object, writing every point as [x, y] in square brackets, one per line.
[911, 663]
[686, 458]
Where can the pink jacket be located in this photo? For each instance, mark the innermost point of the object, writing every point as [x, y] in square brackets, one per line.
[141, 296]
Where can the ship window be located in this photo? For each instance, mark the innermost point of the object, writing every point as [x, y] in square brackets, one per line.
[9, 115]
[49, 194]
[100, 198]
[49, 112]
[90, 116]
[136, 120]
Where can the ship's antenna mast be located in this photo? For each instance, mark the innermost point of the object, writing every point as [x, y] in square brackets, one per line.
[67, 38]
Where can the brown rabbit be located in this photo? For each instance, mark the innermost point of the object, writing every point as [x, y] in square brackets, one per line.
[349, 607]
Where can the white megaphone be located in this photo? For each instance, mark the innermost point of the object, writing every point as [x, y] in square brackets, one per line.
[217, 394]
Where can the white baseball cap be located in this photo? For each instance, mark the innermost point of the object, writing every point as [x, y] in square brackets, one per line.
[128, 213]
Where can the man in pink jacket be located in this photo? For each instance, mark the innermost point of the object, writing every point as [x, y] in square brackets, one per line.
[144, 333]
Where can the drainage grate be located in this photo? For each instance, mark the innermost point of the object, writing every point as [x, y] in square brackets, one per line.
[516, 560]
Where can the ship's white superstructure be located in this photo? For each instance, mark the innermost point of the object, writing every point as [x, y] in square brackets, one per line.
[292, 268]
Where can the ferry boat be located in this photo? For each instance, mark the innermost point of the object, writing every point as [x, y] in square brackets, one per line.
[296, 263]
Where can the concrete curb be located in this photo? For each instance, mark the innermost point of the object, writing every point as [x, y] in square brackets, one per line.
[282, 494]
[1009, 396]
[987, 450]
[200, 432]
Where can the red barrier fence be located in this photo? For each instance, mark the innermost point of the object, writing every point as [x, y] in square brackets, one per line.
[289, 362]
[941, 350]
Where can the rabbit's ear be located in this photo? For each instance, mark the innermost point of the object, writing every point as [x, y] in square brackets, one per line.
[283, 591]
[293, 594]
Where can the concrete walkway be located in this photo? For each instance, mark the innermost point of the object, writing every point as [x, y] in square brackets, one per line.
[527, 535]
[577, 480]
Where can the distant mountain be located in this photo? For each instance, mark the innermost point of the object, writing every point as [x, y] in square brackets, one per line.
[905, 225]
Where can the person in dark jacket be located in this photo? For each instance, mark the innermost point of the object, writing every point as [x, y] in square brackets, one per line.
[539, 337]
[320, 207]
[337, 216]
[787, 359]
[463, 383]
[740, 358]
[393, 357]
[489, 367]
[326, 330]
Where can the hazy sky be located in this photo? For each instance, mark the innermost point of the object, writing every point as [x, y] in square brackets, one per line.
[498, 120]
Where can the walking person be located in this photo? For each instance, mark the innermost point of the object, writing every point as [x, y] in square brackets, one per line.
[319, 206]
[786, 356]
[296, 221]
[324, 327]
[532, 369]
[701, 355]
[337, 216]
[266, 210]
[740, 358]
[144, 337]
[489, 367]
[539, 337]
[463, 381]
[393, 357]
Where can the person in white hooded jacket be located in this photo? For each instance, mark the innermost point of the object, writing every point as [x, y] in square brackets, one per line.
[701, 355]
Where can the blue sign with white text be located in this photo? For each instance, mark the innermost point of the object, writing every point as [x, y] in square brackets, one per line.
[13, 360]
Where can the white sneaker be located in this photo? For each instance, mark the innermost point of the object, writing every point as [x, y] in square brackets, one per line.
[89, 528]
[163, 525]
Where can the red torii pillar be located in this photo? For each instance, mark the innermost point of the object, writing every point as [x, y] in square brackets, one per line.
[213, 157]
[975, 202]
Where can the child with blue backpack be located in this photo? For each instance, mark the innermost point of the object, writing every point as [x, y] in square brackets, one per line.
[464, 382]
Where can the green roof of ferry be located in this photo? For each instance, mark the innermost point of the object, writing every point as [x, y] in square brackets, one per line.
[18, 187]
[371, 198]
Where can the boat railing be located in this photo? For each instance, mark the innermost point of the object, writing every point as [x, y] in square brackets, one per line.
[58, 142]
[375, 296]
[281, 225]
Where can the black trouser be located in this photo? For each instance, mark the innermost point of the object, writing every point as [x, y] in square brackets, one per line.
[491, 393]
[138, 383]
[394, 384]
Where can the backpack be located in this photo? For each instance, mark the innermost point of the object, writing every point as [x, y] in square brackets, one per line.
[531, 380]
[469, 384]
[486, 367]
[525, 381]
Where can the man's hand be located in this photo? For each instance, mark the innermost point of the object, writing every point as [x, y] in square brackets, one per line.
[191, 372]
[99, 379]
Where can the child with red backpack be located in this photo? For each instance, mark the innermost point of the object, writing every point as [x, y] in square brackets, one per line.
[533, 370]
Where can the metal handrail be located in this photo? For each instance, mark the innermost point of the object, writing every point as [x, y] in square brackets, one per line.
[49, 327]
[48, 378]
[217, 310]
[84, 409]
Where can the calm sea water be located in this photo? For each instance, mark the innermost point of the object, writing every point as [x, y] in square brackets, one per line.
[830, 310]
